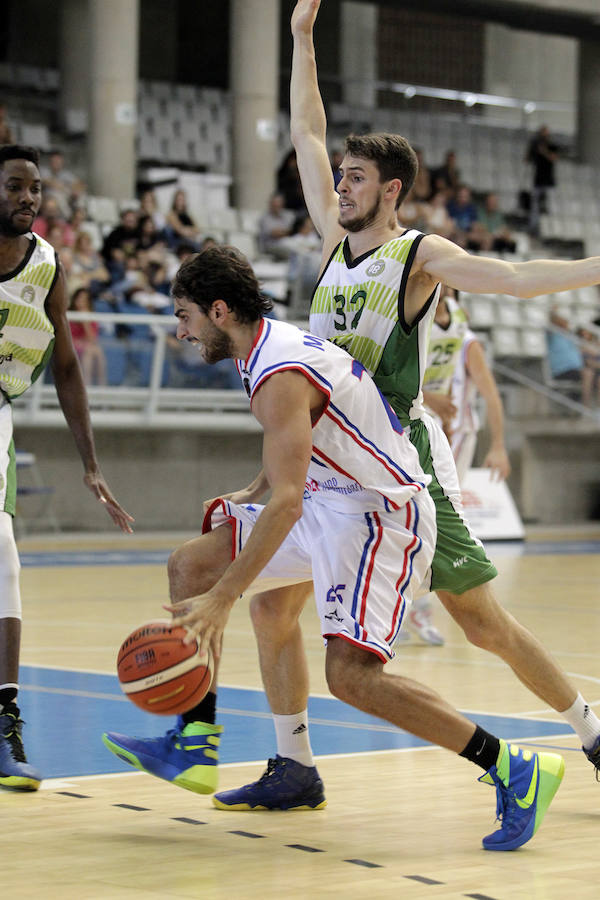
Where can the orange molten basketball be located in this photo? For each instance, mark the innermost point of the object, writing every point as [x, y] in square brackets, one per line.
[161, 674]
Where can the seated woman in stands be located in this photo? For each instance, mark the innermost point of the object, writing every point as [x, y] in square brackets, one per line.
[85, 340]
[181, 227]
[88, 265]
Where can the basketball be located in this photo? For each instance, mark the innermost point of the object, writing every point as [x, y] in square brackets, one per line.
[161, 674]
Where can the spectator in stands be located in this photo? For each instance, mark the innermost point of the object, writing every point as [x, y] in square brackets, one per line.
[188, 369]
[413, 213]
[88, 265]
[464, 212]
[183, 252]
[180, 226]
[336, 158]
[54, 236]
[58, 182]
[542, 153]
[121, 243]
[590, 382]
[439, 220]
[497, 233]
[290, 185]
[422, 188]
[6, 134]
[135, 288]
[274, 225]
[447, 175]
[150, 240]
[72, 279]
[85, 340]
[73, 226]
[156, 273]
[149, 207]
[49, 216]
[564, 355]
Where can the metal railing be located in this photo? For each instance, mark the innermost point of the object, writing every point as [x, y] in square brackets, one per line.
[151, 405]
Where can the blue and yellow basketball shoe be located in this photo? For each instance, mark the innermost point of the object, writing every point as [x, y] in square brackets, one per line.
[187, 755]
[525, 784]
[286, 784]
[15, 771]
[594, 756]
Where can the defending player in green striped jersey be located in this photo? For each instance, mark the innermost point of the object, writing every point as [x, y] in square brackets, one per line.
[33, 331]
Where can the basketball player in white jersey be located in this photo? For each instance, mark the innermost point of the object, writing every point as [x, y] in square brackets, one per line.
[376, 297]
[349, 511]
[33, 331]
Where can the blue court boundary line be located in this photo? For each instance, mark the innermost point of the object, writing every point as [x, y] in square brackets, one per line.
[67, 711]
[160, 557]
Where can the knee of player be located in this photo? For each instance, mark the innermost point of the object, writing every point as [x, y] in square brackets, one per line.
[337, 672]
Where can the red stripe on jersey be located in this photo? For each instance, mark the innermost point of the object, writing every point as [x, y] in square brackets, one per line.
[339, 469]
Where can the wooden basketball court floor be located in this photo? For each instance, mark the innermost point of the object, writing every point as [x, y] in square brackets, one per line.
[403, 818]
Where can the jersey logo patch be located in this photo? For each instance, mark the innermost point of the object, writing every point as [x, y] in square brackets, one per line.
[28, 294]
[376, 268]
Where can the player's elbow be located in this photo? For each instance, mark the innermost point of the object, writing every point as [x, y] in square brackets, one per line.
[289, 503]
[300, 133]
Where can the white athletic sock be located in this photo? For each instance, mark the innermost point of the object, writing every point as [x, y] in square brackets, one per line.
[584, 721]
[293, 739]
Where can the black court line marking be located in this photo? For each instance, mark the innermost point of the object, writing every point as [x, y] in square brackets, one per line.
[248, 834]
[423, 880]
[187, 821]
[481, 896]
[305, 848]
[363, 862]
[130, 806]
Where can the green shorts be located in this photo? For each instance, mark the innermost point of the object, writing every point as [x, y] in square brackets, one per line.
[460, 561]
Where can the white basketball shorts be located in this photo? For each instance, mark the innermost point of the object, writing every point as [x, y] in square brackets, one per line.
[366, 568]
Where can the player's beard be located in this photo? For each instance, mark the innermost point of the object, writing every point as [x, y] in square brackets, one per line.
[219, 346]
[362, 222]
[10, 229]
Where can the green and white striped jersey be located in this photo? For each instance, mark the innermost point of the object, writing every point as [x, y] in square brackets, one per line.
[359, 305]
[445, 346]
[26, 332]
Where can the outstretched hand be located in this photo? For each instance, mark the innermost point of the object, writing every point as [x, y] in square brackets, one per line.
[497, 461]
[304, 15]
[99, 488]
[206, 617]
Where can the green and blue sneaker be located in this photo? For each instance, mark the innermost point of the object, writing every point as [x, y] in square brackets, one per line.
[15, 771]
[187, 755]
[286, 784]
[525, 784]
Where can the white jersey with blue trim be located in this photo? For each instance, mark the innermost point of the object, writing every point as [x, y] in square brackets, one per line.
[362, 460]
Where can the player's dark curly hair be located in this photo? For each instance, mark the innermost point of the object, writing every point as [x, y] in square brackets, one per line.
[391, 153]
[222, 273]
[19, 151]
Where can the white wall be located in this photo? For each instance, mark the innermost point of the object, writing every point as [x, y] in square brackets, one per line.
[533, 67]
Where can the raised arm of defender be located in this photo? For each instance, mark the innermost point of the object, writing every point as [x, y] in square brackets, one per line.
[308, 128]
[444, 261]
